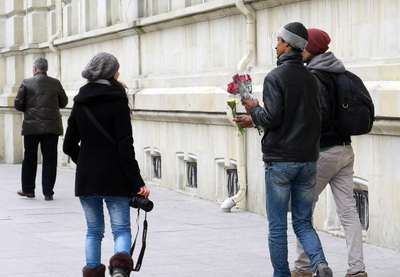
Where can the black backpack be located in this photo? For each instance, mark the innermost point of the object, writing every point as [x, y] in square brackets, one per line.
[354, 112]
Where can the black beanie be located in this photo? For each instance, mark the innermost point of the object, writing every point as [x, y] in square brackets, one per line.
[295, 34]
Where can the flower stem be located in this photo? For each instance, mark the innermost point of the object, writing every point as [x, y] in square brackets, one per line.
[232, 105]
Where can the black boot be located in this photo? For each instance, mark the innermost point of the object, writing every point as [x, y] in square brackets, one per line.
[121, 265]
[98, 271]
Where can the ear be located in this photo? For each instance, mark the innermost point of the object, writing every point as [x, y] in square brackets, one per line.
[288, 48]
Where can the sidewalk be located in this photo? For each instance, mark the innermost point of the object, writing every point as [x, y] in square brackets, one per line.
[187, 237]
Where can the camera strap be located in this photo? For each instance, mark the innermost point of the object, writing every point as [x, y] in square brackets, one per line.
[97, 124]
[144, 236]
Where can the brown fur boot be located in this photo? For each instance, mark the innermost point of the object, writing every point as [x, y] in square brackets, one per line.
[121, 265]
[98, 271]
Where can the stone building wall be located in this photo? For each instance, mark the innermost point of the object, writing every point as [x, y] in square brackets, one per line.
[177, 57]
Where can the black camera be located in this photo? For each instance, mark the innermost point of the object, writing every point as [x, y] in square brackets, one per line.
[141, 202]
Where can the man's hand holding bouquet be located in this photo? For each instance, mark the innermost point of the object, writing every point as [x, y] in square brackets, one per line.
[241, 85]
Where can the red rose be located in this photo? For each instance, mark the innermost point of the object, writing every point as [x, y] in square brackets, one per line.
[232, 88]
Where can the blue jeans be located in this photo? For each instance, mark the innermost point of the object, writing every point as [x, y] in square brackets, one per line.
[119, 211]
[294, 182]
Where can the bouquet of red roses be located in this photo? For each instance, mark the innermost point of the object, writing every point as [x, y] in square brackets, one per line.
[241, 84]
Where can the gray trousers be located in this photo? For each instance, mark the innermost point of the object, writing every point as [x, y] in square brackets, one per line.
[335, 166]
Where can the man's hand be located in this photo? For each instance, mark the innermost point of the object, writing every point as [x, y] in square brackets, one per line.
[248, 104]
[244, 121]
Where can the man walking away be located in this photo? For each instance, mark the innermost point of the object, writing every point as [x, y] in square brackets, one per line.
[40, 98]
[336, 159]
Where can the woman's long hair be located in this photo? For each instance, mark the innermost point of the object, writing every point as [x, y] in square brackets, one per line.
[118, 84]
[121, 86]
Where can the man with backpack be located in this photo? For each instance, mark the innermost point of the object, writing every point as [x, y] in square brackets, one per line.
[336, 159]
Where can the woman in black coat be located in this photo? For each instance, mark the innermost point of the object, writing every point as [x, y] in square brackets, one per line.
[107, 169]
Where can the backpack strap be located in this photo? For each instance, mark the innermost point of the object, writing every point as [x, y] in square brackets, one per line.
[328, 99]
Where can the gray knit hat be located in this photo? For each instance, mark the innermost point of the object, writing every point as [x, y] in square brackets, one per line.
[102, 66]
[295, 34]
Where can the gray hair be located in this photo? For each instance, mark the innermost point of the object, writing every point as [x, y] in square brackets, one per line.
[41, 64]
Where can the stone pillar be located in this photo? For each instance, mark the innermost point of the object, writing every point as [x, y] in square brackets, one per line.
[70, 22]
[12, 63]
[15, 30]
[35, 22]
[2, 33]
[93, 15]
[14, 73]
[12, 139]
[103, 13]
[2, 69]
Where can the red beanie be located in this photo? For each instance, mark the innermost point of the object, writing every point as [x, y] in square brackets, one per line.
[318, 41]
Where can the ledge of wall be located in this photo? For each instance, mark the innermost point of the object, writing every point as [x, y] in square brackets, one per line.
[182, 117]
[197, 13]
[386, 126]
[199, 99]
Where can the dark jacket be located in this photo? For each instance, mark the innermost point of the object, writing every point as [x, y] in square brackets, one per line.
[291, 115]
[40, 98]
[325, 67]
[103, 167]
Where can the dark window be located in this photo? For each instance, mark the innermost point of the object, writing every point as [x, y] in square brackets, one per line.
[232, 182]
[361, 197]
[192, 175]
[157, 166]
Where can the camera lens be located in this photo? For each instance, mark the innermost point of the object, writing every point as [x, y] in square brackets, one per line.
[147, 205]
[140, 202]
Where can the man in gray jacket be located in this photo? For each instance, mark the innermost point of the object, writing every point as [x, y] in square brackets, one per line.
[40, 98]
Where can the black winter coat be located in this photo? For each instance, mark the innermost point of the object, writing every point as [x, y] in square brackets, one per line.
[40, 98]
[103, 167]
[291, 116]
